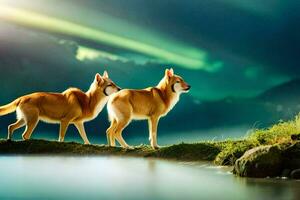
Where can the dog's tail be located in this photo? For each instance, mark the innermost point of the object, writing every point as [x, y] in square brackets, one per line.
[9, 108]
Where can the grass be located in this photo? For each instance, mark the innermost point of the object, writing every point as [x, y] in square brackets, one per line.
[232, 150]
[221, 152]
[278, 134]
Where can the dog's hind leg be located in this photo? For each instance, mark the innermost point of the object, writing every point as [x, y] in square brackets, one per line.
[31, 116]
[118, 133]
[30, 126]
[110, 132]
[11, 128]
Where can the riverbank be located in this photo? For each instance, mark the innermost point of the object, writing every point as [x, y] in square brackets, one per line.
[271, 152]
[188, 152]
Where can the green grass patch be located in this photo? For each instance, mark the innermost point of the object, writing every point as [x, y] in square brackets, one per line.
[278, 133]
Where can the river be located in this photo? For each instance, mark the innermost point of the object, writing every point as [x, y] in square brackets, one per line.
[59, 177]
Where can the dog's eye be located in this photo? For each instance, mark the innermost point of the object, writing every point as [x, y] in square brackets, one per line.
[177, 81]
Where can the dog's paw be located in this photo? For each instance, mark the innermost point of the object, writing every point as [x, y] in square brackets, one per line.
[25, 138]
[129, 147]
[156, 147]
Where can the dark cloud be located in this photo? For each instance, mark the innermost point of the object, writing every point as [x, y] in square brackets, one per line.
[264, 33]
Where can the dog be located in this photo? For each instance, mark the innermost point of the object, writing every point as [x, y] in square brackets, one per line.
[147, 104]
[72, 106]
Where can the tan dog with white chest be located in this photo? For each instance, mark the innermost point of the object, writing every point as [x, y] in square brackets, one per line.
[70, 107]
[149, 104]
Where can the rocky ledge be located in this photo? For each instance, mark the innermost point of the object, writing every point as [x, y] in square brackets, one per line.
[280, 160]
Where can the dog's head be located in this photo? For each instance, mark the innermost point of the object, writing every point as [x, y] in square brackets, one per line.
[175, 82]
[105, 84]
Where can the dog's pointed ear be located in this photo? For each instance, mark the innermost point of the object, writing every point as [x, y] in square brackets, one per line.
[98, 78]
[169, 72]
[105, 74]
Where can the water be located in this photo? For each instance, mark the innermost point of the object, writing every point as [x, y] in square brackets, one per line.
[32, 177]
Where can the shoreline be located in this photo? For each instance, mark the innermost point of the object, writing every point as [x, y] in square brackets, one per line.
[248, 158]
[48, 147]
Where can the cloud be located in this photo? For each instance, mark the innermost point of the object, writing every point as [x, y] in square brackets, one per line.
[86, 53]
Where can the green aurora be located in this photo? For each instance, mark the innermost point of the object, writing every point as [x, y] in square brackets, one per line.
[187, 57]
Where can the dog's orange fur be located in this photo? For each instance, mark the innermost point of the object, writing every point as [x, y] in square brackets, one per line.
[150, 103]
[70, 107]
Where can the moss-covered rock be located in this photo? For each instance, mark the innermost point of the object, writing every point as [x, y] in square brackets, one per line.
[232, 150]
[295, 174]
[291, 155]
[282, 159]
[260, 162]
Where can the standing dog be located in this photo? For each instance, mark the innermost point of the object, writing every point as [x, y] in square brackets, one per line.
[150, 103]
[70, 107]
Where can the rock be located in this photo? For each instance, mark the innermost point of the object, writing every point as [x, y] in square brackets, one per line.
[260, 162]
[291, 156]
[295, 137]
[295, 174]
[286, 173]
[232, 152]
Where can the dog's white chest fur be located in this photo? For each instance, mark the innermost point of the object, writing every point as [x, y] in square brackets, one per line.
[173, 102]
[98, 109]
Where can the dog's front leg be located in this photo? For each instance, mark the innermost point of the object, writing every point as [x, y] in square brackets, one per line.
[81, 130]
[62, 131]
[153, 122]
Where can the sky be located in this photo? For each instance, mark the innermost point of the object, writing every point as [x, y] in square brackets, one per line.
[215, 43]
[222, 48]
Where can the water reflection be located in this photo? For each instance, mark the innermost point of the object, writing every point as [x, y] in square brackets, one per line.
[289, 189]
[30, 177]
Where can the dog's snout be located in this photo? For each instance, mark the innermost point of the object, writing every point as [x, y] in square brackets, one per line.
[188, 87]
[119, 88]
